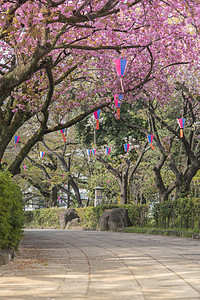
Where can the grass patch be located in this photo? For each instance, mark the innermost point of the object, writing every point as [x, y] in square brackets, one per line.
[160, 231]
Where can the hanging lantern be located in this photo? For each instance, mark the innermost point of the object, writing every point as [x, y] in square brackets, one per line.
[89, 152]
[94, 151]
[150, 139]
[126, 147]
[16, 140]
[63, 134]
[181, 123]
[118, 100]
[59, 200]
[121, 11]
[97, 115]
[108, 150]
[42, 153]
[121, 66]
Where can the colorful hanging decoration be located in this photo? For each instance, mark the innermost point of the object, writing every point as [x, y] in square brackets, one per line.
[118, 100]
[97, 115]
[181, 123]
[108, 150]
[42, 153]
[89, 152]
[150, 139]
[121, 66]
[16, 140]
[121, 11]
[94, 151]
[126, 147]
[59, 200]
[63, 134]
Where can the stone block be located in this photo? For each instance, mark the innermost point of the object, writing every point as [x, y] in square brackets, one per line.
[67, 216]
[114, 219]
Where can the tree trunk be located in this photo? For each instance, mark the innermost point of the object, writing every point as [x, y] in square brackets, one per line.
[183, 181]
[163, 195]
[124, 186]
[54, 197]
[70, 178]
[76, 191]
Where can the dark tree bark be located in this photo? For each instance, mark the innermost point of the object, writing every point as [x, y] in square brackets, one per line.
[184, 175]
[124, 176]
[66, 168]
[54, 197]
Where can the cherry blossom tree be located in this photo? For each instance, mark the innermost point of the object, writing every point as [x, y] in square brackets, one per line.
[179, 155]
[57, 59]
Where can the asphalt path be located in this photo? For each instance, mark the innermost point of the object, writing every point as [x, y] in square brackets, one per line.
[69, 264]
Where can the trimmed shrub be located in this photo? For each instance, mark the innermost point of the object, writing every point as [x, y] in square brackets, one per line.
[11, 213]
[45, 217]
[100, 209]
[87, 215]
[181, 213]
[28, 217]
[138, 214]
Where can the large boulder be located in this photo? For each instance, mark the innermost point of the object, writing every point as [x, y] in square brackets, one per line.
[67, 216]
[103, 221]
[114, 219]
[73, 224]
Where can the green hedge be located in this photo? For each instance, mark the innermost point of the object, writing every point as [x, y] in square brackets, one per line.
[45, 217]
[181, 213]
[11, 213]
[89, 216]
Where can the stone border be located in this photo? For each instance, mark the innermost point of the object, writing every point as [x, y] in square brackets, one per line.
[166, 232]
[6, 256]
[196, 236]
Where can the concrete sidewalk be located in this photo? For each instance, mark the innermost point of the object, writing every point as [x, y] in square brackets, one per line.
[60, 264]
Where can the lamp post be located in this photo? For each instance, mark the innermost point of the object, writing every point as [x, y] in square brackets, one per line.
[98, 195]
[68, 155]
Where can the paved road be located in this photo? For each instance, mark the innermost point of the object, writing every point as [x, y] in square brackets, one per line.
[102, 265]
